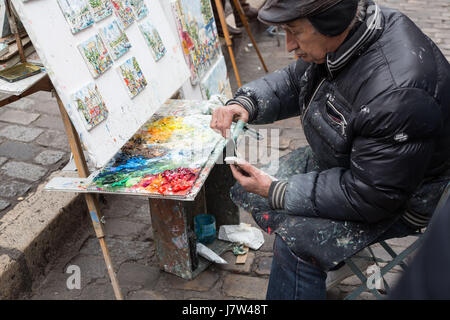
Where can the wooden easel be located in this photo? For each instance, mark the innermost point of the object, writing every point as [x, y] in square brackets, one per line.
[226, 33]
[45, 84]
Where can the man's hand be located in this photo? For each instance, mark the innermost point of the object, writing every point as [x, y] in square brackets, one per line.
[222, 117]
[252, 179]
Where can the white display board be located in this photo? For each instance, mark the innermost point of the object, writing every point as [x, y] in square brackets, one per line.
[57, 47]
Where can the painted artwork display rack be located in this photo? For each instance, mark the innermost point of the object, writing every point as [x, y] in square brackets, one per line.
[172, 219]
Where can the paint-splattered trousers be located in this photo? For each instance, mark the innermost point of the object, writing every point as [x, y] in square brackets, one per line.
[291, 278]
[323, 243]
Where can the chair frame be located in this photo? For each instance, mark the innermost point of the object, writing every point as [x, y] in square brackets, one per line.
[397, 259]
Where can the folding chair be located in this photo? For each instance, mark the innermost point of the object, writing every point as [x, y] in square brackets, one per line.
[397, 258]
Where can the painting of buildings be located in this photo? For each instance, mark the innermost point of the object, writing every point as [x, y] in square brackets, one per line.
[124, 12]
[216, 81]
[100, 9]
[90, 105]
[198, 35]
[132, 76]
[116, 40]
[77, 14]
[96, 55]
[153, 40]
[139, 8]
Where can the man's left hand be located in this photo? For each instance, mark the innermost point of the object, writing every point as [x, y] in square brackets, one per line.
[252, 179]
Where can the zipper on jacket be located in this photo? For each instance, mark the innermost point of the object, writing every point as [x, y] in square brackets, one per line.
[312, 98]
[342, 124]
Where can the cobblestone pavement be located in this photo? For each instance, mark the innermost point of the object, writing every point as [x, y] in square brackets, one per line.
[128, 223]
[32, 145]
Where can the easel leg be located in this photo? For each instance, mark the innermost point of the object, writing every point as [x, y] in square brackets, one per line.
[14, 30]
[92, 203]
[223, 22]
[250, 34]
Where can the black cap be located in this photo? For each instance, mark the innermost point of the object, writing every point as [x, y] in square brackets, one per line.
[329, 17]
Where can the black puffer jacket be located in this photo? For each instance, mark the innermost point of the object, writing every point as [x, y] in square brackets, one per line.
[377, 117]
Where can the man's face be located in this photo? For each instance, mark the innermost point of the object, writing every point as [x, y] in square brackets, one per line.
[306, 42]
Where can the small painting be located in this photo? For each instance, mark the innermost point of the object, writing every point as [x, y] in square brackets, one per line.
[116, 40]
[77, 14]
[132, 76]
[123, 10]
[96, 55]
[216, 81]
[153, 40]
[101, 9]
[90, 105]
[139, 8]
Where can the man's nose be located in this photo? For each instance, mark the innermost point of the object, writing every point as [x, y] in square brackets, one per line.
[291, 44]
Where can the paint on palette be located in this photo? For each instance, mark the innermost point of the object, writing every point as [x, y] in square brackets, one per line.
[101, 9]
[96, 55]
[153, 40]
[116, 40]
[164, 157]
[89, 103]
[132, 76]
[216, 81]
[77, 14]
[198, 35]
[139, 8]
[123, 10]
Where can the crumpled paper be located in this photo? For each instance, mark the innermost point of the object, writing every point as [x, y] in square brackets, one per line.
[242, 233]
[208, 254]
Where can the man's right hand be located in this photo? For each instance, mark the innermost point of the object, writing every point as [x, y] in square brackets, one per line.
[222, 117]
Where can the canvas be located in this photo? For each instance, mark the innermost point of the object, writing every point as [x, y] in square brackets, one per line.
[89, 103]
[132, 76]
[216, 81]
[77, 14]
[116, 40]
[153, 40]
[123, 10]
[101, 9]
[198, 35]
[139, 8]
[96, 55]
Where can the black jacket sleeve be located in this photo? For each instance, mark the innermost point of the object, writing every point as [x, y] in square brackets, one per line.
[392, 147]
[273, 97]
